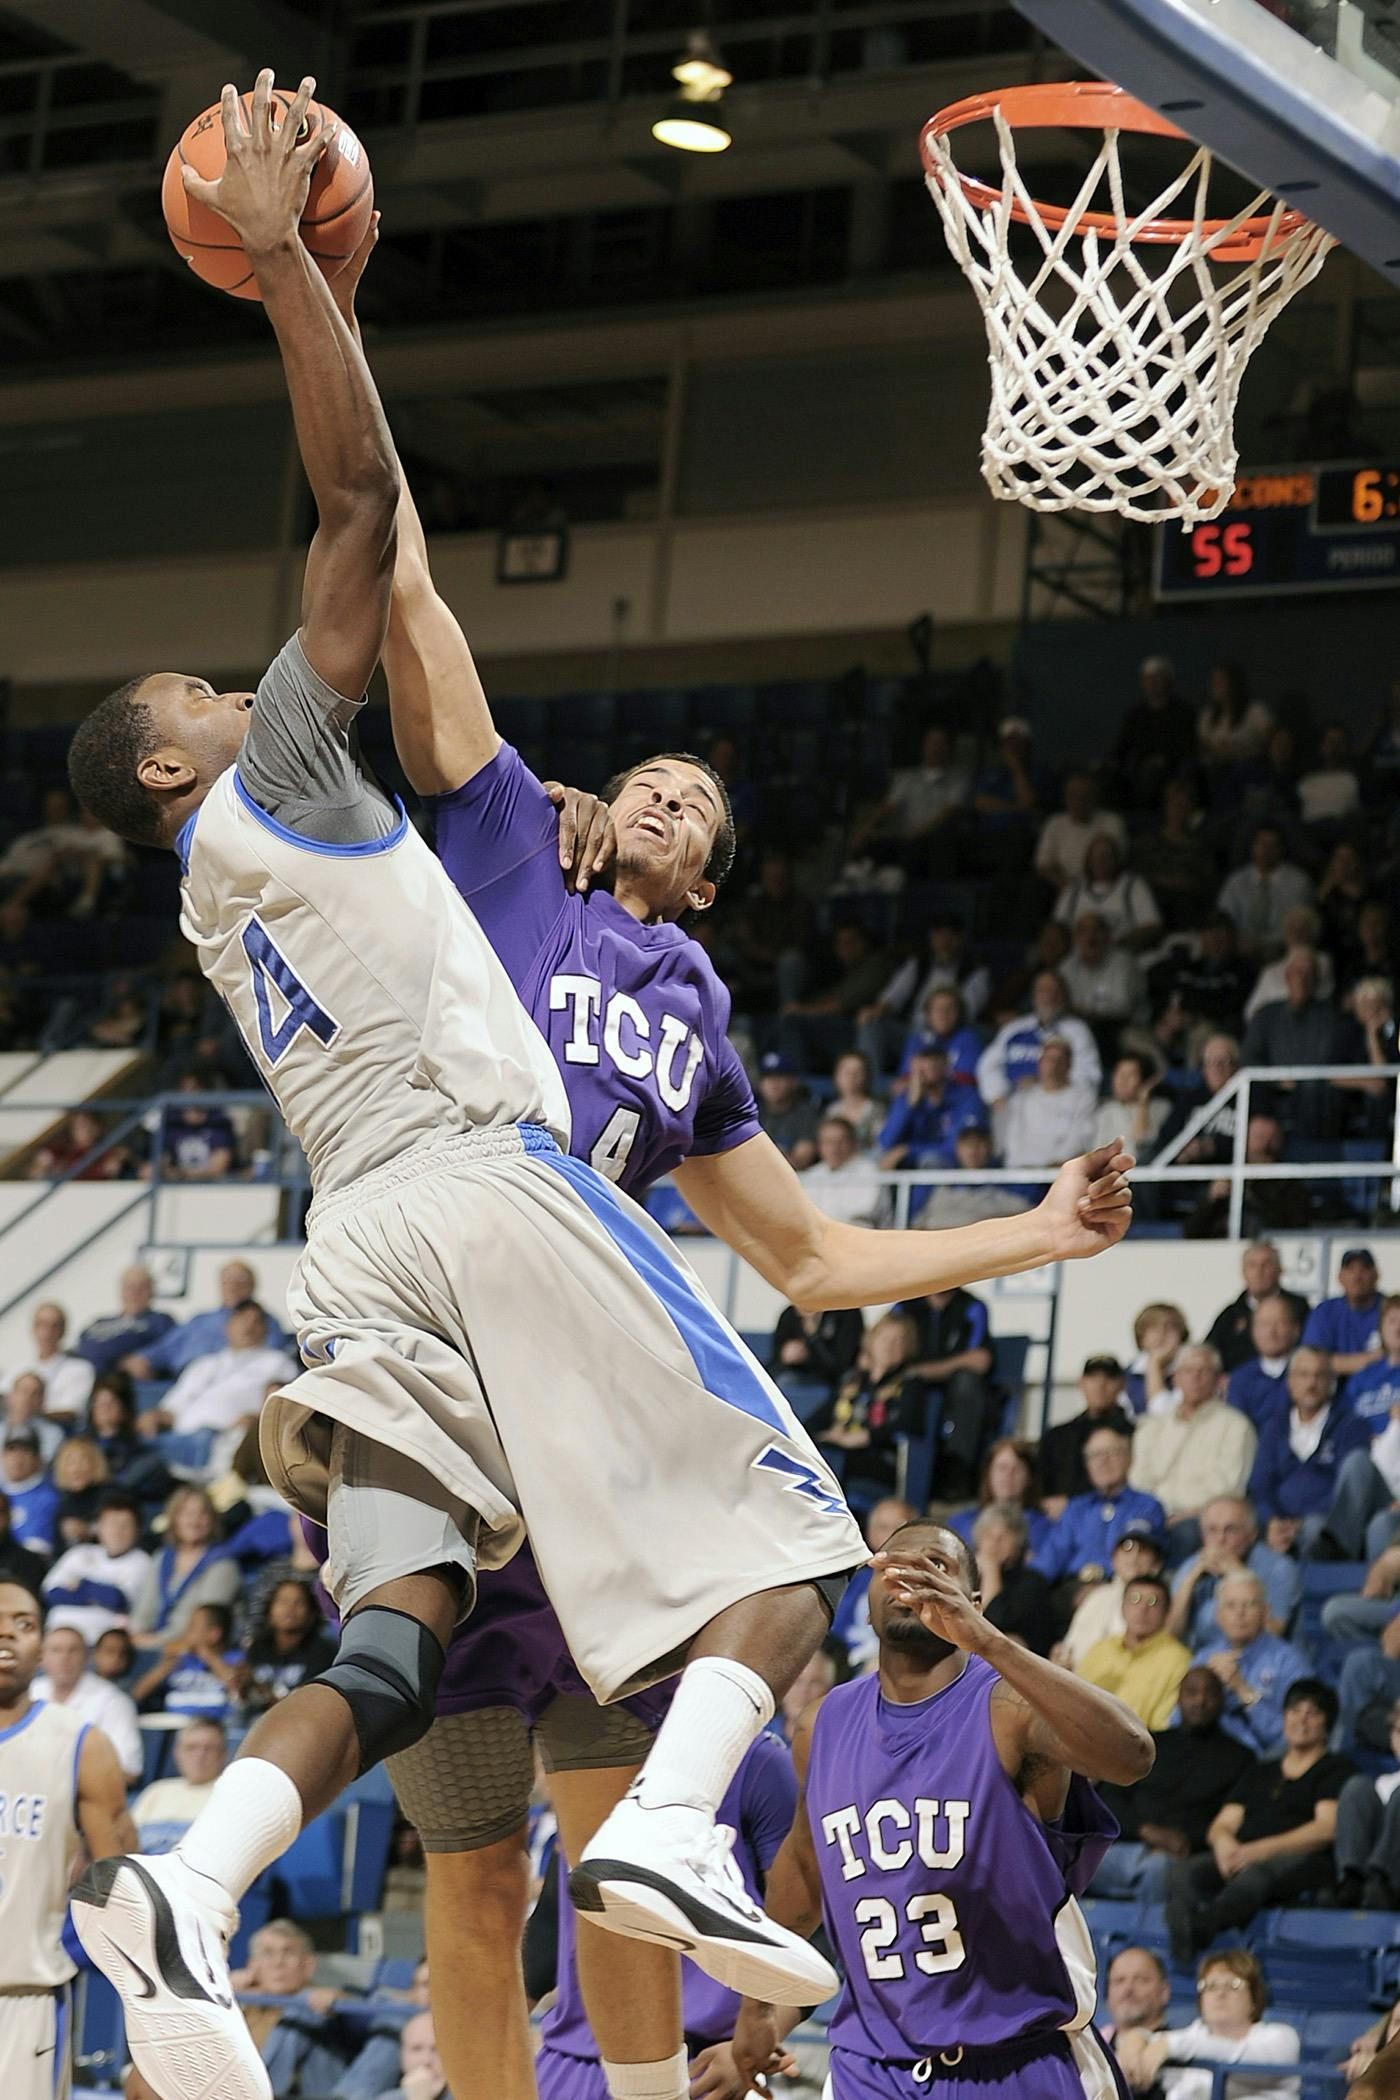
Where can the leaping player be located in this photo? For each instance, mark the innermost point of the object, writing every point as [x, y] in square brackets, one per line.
[945, 1829]
[60, 1787]
[636, 1019]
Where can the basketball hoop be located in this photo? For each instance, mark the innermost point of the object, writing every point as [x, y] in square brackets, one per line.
[1113, 384]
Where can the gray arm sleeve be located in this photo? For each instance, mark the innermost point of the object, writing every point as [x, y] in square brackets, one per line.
[298, 762]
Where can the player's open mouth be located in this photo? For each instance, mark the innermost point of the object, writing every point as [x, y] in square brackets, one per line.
[654, 826]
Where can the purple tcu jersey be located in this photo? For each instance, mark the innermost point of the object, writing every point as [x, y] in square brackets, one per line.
[950, 1905]
[758, 1808]
[634, 1015]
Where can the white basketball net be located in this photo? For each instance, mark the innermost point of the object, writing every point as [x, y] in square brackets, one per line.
[1119, 394]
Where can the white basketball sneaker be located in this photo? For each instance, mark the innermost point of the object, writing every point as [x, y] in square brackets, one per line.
[159, 1933]
[666, 1874]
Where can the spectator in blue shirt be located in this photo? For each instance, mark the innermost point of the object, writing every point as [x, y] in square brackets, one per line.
[138, 1326]
[199, 1671]
[923, 1122]
[1230, 1545]
[206, 1333]
[1300, 1452]
[1255, 1667]
[34, 1500]
[1259, 1387]
[1082, 1542]
[1372, 1392]
[1348, 1326]
[943, 1026]
[1360, 1521]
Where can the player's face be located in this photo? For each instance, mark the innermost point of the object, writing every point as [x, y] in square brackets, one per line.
[668, 816]
[894, 1623]
[20, 1642]
[196, 725]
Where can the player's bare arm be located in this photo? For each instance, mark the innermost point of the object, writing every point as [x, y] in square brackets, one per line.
[751, 1198]
[1043, 1717]
[103, 1816]
[341, 429]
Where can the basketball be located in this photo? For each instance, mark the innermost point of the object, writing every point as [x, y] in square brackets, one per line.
[335, 221]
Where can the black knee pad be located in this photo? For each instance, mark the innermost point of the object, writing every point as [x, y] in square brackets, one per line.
[832, 1588]
[387, 1670]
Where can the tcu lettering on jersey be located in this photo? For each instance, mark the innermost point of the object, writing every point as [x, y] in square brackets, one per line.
[623, 1031]
[889, 1835]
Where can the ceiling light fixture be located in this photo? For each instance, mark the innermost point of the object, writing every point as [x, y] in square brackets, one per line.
[694, 120]
[702, 69]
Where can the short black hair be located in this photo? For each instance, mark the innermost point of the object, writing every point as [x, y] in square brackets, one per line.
[17, 1582]
[1316, 1693]
[1152, 1582]
[721, 861]
[967, 1566]
[102, 759]
[222, 1616]
[1148, 1954]
[118, 1498]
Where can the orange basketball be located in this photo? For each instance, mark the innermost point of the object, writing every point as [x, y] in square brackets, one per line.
[335, 221]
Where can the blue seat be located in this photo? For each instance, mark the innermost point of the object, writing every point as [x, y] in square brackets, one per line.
[99, 2030]
[1321, 1580]
[395, 1973]
[369, 1809]
[1328, 2035]
[1325, 1930]
[312, 1870]
[1009, 1353]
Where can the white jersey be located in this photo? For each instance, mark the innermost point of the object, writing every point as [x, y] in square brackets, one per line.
[38, 1842]
[370, 1000]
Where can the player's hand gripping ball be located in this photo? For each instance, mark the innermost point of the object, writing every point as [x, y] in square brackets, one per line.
[339, 204]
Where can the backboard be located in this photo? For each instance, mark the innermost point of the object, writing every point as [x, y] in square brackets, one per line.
[1302, 96]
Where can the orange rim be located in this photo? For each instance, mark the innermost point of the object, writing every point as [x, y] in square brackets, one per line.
[1092, 105]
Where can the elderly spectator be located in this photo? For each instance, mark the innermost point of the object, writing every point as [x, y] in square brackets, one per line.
[926, 1114]
[815, 1030]
[1230, 2028]
[1115, 894]
[222, 1391]
[1200, 1450]
[1230, 1545]
[916, 825]
[1082, 1542]
[1008, 1475]
[946, 965]
[1167, 1814]
[1368, 1834]
[786, 1110]
[24, 1409]
[1051, 1120]
[1144, 1664]
[1104, 983]
[136, 1327]
[1213, 1142]
[1137, 1992]
[292, 2039]
[1300, 935]
[1231, 1330]
[1348, 1326]
[191, 1569]
[1062, 1469]
[165, 1810]
[1015, 1596]
[1300, 1454]
[882, 1401]
[955, 1355]
[67, 1379]
[1098, 1607]
[1259, 1386]
[811, 1352]
[1012, 1058]
[943, 1026]
[66, 1680]
[17, 1562]
[420, 2063]
[970, 1202]
[1131, 1111]
[99, 1583]
[81, 1475]
[1255, 1666]
[33, 1499]
[208, 1331]
[1303, 1029]
[1176, 861]
[1259, 896]
[290, 1645]
[1065, 838]
[852, 1098]
[1272, 1839]
[843, 1182]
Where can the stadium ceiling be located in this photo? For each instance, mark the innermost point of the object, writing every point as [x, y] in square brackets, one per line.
[510, 141]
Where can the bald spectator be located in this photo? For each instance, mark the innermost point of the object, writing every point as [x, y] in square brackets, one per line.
[1300, 1455]
[206, 1332]
[1259, 1386]
[1231, 1331]
[67, 1379]
[1303, 1029]
[1052, 1119]
[1201, 1449]
[1255, 1666]
[1230, 1545]
[66, 1680]
[1137, 1993]
[136, 1327]
[292, 2038]
[421, 2074]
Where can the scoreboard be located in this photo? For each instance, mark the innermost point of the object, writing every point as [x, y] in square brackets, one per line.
[1285, 529]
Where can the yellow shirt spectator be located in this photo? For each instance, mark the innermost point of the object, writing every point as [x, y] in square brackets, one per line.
[1144, 1665]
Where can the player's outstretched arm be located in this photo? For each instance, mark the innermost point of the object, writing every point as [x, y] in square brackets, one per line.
[103, 1816]
[345, 444]
[443, 731]
[751, 1198]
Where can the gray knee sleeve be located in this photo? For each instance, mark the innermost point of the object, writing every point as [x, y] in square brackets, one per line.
[386, 1670]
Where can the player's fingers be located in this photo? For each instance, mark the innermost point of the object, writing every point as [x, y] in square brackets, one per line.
[295, 119]
[200, 188]
[595, 852]
[262, 106]
[607, 845]
[231, 110]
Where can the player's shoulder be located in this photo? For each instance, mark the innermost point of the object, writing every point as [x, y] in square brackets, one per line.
[56, 1725]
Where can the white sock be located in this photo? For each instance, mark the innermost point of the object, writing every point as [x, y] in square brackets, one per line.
[667, 2080]
[719, 1708]
[248, 1821]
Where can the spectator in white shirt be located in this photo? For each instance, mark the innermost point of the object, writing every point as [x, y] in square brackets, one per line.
[1301, 929]
[1330, 791]
[843, 1183]
[1260, 895]
[1104, 982]
[24, 1408]
[66, 1680]
[1065, 838]
[1130, 1111]
[97, 1584]
[1232, 1995]
[67, 1379]
[1122, 898]
[1012, 1058]
[67, 854]
[218, 1392]
[1052, 1120]
[165, 1810]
